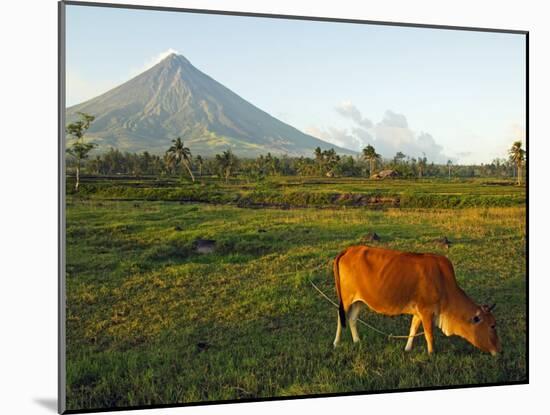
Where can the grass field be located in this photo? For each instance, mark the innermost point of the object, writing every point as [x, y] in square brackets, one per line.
[150, 321]
[312, 192]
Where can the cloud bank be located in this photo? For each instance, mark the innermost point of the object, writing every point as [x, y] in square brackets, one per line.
[388, 136]
[348, 110]
[153, 61]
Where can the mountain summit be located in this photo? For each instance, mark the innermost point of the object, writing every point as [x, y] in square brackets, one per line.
[173, 98]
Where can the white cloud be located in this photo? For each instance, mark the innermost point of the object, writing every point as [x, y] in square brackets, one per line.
[337, 136]
[390, 135]
[348, 110]
[392, 119]
[390, 138]
[363, 135]
[315, 132]
[153, 61]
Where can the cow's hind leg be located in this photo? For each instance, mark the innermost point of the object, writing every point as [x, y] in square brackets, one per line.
[353, 314]
[415, 323]
[338, 330]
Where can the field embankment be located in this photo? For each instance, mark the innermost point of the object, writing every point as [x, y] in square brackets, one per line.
[288, 192]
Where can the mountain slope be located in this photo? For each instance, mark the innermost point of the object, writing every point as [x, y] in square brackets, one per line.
[173, 98]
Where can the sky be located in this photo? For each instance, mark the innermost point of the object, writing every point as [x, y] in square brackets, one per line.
[443, 94]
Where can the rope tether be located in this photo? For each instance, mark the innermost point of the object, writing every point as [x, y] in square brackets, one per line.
[388, 335]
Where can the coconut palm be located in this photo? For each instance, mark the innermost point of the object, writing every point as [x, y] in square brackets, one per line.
[422, 163]
[168, 163]
[517, 156]
[399, 157]
[200, 162]
[319, 159]
[370, 154]
[330, 161]
[227, 163]
[181, 155]
[449, 164]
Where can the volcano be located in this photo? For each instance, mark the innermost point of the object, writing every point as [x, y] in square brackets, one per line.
[175, 99]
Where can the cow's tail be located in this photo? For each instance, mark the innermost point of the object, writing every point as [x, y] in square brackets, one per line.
[341, 311]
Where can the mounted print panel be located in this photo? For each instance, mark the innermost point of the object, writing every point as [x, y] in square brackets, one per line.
[259, 207]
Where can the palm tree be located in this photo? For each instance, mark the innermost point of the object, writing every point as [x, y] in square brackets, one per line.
[200, 162]
[331, 159]
[399, 156]
[370, 154]
[319, 159]
[168, 161]
[181, 154]
[517, 156]
[227, 162]
[422, 162]
[449, 164]
[318, 153]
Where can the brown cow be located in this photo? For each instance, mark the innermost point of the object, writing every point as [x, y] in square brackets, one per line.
[424, 285]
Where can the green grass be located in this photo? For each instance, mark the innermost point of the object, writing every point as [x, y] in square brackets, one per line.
[140, 300]
[312, 192]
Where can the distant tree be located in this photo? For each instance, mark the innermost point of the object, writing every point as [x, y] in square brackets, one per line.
[328, 163]
[399, 157]
[347, 166]
[274, 165]
[517, 156]
[261, 166]
[181, 155]
[318, 153]
[227, 163]
[145, 162]
[271, 165]
[79, 149]
[414, 168]
[370, 154]
[200, 163]
[305, 166]
[422, 162]
[94, 165]
[330, 160]
[168, 164]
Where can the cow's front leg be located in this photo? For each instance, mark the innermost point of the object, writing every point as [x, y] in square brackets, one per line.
[353, 314]
[415, 323]
[427, 323]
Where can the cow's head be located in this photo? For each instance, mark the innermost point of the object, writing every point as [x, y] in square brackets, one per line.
[482, 330]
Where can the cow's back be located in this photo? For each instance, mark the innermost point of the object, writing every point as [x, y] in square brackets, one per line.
[390, 282]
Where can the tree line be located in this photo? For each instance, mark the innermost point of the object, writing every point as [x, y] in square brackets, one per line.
[179, 161]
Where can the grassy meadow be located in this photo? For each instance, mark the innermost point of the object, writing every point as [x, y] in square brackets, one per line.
[151, 321]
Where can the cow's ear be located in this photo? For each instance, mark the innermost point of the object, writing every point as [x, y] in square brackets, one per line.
[487, 308]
